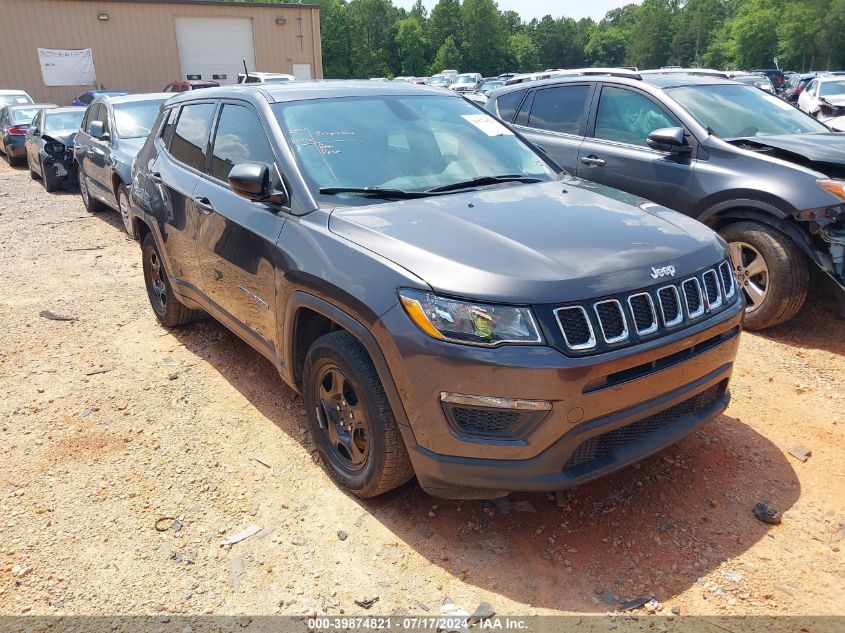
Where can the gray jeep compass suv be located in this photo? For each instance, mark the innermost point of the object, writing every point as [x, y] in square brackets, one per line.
[768, 177]
[448, 304]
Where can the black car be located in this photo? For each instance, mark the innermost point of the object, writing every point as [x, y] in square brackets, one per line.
[49, 146]
[448, 305]
[768, 177]
[112, 132]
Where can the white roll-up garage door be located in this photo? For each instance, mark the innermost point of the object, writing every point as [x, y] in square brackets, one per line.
[215, 48]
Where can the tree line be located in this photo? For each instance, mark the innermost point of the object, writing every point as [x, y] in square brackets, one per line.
[374, 38]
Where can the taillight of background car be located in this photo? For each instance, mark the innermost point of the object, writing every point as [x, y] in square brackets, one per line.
[17, 131]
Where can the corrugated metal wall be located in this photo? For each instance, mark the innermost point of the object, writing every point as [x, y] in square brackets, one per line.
[135, 49]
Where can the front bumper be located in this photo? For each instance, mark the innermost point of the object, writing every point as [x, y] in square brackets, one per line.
[61, 169]
[575, 442]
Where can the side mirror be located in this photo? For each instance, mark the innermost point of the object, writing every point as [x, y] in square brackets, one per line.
[252, 181]
[669, 139]
[98, 130]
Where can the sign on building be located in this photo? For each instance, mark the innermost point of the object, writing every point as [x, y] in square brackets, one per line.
[67, 67]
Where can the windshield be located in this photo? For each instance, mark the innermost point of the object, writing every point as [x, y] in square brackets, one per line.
[737, 111]
[24, 115]
[465, 80]
[438, 81]
[63, 120]
[410, 143]
[830, 88]
[13, 100]
[276, 80]
[489, 85]
[135, 119]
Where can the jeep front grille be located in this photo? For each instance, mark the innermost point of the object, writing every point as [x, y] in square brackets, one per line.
[612, 321]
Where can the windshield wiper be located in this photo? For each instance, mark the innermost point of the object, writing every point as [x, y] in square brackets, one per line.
[484, 180]
[376, 192]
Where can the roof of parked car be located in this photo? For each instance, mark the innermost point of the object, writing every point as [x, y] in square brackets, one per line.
[61, 109]
[299, 90]
[659, 81]
[147, 96]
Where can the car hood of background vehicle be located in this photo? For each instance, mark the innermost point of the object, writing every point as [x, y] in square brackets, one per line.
[539, 243]
[820, 148]
[65, 137]
[835, 100]
[131, 146]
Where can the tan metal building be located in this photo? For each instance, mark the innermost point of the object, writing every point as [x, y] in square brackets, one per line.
[143, 45]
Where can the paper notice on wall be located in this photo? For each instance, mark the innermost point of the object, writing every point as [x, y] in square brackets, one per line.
[67, 67]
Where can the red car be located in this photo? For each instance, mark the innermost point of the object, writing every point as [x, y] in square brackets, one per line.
[184, 86]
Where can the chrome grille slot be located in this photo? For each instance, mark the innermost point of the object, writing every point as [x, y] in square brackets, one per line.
[692, 297]
[670, 306]
[642, 309]
[576, 327]
[614, 327]
[712, 289]
[728, 281]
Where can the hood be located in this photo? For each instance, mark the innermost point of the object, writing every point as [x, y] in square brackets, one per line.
[538, 243]
[65, 137]
[836, 124]
[131, 146]
[817, 148]
[834, 100]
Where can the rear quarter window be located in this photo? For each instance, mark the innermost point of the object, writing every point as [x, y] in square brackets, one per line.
[507, 104]
[190, 138]
[560, 109]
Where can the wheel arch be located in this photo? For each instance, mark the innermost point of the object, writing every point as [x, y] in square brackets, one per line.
[308, 317]
[756, 211]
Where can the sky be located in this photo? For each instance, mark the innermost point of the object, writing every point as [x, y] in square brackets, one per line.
[538, 8]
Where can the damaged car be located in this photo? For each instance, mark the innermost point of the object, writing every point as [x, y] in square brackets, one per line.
[768, 177]
[49, 146]
[824, 98]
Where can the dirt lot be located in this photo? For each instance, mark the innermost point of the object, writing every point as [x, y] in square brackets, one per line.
[110, 422]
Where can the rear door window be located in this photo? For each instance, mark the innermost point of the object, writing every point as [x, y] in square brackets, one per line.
[629, 117]
[507, 104]
[560, 109]
[190, 138]
[239, 139]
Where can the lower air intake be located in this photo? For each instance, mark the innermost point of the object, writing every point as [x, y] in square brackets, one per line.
[591, 453]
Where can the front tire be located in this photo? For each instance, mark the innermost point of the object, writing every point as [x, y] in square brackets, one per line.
[51, 183]
[169, 311]
[351, 421]
[32, 173]
[770, 270]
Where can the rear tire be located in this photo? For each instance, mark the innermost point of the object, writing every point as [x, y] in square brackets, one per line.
[360, 445]
[32, 172]
[92, 205]
[169, 311]
[782, 275]
[123, 209]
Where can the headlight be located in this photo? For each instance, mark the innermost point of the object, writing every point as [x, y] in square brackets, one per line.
[836, 187]
[470, 323]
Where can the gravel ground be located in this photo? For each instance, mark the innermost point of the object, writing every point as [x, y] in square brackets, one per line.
[113, 426]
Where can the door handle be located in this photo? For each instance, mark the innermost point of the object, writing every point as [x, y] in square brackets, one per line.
[204, 205]
[593, 161]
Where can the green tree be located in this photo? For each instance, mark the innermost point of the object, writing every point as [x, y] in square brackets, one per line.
[445, 22]
[522, 51]
[651, 34]
[448, 57]
[483, 45]
[695, 28]
[411, 46]
[607, 47]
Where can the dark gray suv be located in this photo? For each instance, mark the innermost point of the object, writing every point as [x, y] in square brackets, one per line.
[447, 304]
[768, 177]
